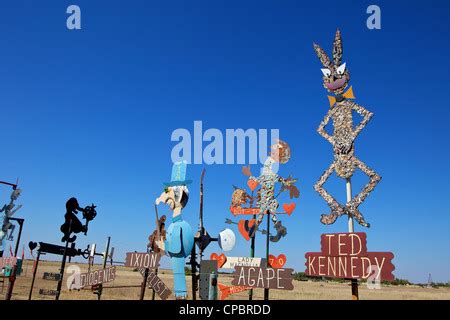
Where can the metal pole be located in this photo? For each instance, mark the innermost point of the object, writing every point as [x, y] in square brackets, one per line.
[105, 260]
[34, 274]
[266, 290]
[355, 294]
[12, 278]
[20, 221]
[193, 263]
[63, 264]
[252, 255]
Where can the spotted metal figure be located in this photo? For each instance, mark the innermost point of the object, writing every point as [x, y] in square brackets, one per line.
[267, 201]
[335, 80]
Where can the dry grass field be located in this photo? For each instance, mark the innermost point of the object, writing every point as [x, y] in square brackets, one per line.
[304, 290]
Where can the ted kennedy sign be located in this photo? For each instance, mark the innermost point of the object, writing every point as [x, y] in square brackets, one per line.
[345, 255]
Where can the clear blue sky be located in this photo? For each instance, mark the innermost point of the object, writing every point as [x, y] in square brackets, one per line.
[89, 114]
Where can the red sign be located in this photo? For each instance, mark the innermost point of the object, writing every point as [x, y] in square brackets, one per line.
[345, 255]
[277, 262]
[237, 210]
[225, 291]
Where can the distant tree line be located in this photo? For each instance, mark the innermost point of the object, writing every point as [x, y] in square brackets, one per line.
[301, 276]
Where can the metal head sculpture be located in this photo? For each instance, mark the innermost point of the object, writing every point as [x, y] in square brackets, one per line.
[179, 236]
[335, 73]
[336, 78]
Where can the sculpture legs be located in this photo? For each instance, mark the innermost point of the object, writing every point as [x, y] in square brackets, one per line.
[336, 209]
[353, 205]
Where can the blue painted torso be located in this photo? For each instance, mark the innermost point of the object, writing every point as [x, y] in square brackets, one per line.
[179, 238]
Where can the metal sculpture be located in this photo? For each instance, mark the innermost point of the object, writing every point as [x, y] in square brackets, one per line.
[158, 234]
[179, 238]
[225, 239]
[335, 79]
[71, 221]
[267, 202]
[9, 210]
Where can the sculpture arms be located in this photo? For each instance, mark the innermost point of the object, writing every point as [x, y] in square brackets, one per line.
[321, 130]
[15, 210]
[366, 114]
[289, 184]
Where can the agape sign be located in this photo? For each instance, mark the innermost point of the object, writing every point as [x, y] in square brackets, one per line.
[269, 278]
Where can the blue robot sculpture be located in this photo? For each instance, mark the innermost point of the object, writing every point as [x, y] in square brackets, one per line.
[179, 237]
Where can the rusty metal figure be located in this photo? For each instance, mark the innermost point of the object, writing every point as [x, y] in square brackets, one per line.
[335, 80]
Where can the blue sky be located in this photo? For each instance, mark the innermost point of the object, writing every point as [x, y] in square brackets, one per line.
[89, 113]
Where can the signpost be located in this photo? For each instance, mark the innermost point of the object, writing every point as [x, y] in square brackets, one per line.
[52, 276]
[146, 260]
[267, 278]
[155, 283]
[345, 256]
[226, 291]
[224, 262]
[48, 292]
[49, 248]
[95, 278]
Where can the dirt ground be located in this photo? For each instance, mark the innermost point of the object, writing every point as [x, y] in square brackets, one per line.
[303, 290]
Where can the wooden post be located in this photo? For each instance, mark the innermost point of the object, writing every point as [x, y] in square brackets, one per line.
[144, 285]
[355, 294]
[154, 292]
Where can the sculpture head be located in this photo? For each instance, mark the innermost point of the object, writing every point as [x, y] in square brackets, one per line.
[72, 205]
[335, 73]
[176, 197]
[280, 152]
[16, 194]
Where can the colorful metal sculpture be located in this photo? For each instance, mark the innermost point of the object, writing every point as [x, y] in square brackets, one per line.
[335, 80]
[179, 237]
[267, 202]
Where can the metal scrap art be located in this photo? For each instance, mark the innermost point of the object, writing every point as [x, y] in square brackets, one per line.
[335, 80]
[71, 222]
[265, 199]
[9, 210]
[179, 237]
